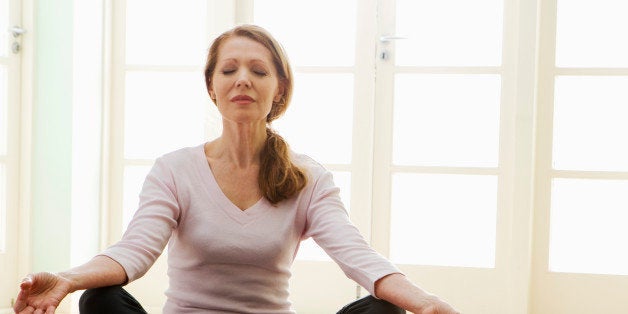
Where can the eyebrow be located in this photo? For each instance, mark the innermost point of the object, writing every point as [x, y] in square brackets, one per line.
[249, 61]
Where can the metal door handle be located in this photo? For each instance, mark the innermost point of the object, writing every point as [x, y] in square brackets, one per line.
[16, 31]
[389, 38]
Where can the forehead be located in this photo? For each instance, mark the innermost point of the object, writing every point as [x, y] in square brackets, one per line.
[243, 49]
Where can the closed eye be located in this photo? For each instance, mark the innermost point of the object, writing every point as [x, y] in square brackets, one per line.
[260, 72]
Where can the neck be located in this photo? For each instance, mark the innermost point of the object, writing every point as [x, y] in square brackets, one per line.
[241, 144]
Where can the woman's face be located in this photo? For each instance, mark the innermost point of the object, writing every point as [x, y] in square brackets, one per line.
[245, 82]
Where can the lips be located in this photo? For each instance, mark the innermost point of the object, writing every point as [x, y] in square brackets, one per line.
[242, 99]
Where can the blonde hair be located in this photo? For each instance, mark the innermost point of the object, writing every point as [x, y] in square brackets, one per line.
[279, 178]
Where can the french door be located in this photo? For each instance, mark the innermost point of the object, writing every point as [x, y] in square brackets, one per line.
[582, 173]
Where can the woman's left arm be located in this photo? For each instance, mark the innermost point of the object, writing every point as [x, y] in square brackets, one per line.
[398, 290]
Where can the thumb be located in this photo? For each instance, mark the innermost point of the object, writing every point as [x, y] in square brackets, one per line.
[27, 282]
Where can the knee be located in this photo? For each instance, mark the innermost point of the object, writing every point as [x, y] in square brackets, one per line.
[98, 299]
[381, 306]
[371, 305]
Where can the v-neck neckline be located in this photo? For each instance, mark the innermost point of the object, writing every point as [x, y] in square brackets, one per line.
[220, 198]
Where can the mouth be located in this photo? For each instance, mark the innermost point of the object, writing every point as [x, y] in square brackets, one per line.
[242, 99]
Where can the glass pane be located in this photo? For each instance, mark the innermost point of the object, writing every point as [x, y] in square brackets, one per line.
[446, 120]
[4, 26]
[592, 33]
[3, 206]
[3, 109]
[445, 220]
[309, 250]
[590, 129]
[318, 32]
[317, 123]
[449, 32]
[588, 222]
[164, 111]
[134, 177]
[166, 32]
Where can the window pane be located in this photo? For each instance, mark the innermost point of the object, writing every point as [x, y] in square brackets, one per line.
[134, 177]
[588, 231]
[309, 250]
[166, 32]
[592, 33]
[164, 111]
[318, 32]
[3, 206]
[449, 32]
[3, 110]
[4, 26]
[446, 120]
[319, 121]
[445, 220]
[590, 129]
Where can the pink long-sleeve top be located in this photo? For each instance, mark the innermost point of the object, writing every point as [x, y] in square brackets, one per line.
[225, 260]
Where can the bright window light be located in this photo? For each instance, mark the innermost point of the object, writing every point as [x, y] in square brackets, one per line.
[449, 32]
[588, 222]
[590, 129]
[444, 220]
[591, 33]
[166, 32]
[446, 120]
[164, 111]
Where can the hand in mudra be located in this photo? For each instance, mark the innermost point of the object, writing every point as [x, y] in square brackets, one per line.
[41, 293]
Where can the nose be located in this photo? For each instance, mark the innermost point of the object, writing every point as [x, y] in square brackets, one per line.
[243, 80]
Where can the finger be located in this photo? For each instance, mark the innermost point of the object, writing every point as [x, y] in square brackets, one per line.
[38, 311]
[18, 306]
[28, 310]
[27, 282]
[23, 294]
[50, 310]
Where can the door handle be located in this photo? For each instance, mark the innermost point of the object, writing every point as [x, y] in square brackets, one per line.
[388, 38]
[17, 31]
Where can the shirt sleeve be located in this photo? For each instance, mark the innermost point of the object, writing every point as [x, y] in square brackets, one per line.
[329, 225]
[152, 225]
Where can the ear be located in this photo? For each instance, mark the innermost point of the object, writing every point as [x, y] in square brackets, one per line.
[280, 92]
[210, 89]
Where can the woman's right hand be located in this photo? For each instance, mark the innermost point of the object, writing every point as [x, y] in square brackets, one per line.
[41, 293]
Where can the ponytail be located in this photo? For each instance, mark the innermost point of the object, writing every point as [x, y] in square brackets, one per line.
[279, 178]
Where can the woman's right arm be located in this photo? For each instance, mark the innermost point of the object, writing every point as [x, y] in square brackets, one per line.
[144, 240]
[44, 291]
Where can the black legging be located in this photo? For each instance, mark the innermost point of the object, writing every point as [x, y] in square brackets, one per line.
[116, 300]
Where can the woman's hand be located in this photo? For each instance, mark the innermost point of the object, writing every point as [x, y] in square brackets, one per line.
[41, 293]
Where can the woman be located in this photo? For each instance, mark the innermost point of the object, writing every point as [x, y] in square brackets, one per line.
[233, 212]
